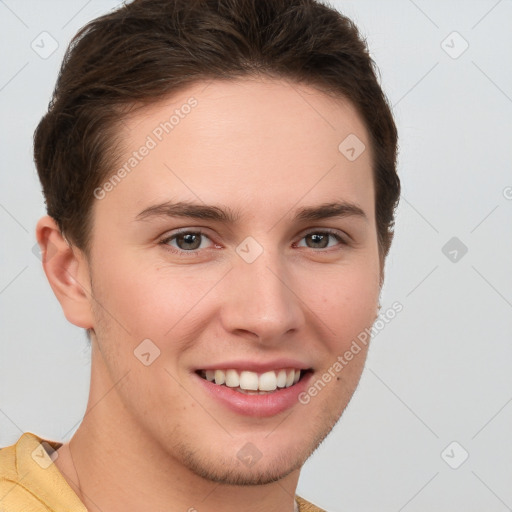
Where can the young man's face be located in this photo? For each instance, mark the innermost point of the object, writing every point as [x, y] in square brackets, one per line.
[267, 291]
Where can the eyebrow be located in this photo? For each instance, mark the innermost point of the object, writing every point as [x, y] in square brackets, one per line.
[228, 216]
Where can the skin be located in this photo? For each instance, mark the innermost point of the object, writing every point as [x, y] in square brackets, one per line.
[151, 438]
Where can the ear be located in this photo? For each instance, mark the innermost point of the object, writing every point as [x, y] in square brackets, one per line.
[67, 271]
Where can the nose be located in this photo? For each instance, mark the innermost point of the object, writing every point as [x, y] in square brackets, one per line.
[261, 300]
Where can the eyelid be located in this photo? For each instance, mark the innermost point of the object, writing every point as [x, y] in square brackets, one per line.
[179, 231]
[340, 236]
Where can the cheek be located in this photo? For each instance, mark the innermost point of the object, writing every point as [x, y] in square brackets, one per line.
[346, 301]
[151, 300]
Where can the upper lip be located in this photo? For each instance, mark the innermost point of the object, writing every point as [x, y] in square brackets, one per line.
[258, 367]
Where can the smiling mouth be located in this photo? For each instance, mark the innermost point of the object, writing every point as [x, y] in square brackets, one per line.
[252, 383]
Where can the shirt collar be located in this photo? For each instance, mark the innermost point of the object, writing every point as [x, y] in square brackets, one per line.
[40, 476]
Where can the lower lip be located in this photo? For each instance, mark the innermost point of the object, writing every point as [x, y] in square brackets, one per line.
[263, 406]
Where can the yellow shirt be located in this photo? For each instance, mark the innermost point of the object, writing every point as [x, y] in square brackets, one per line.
[30, 482]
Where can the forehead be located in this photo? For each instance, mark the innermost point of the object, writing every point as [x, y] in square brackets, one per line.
[249, 142]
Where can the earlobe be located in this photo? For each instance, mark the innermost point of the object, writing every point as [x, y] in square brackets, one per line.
[67, 271]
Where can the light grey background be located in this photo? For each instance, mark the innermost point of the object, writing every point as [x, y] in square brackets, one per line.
[439, 372]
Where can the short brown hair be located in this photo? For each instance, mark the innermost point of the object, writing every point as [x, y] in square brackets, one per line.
[148, 49]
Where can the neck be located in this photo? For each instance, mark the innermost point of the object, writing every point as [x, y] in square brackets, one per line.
[108, 478]
[110, 472]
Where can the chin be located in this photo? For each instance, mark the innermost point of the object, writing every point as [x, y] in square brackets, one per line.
[249, 465]
[240, 474]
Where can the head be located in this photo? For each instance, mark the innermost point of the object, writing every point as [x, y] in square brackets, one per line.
[265, 111]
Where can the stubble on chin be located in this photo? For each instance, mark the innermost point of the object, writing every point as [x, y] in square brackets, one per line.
[269, 468]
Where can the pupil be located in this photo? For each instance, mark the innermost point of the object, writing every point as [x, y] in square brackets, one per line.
[188, 238]
[319, 239]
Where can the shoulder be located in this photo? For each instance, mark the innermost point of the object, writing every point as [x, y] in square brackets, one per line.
[14, 495]
[306, 506]
[29, 480]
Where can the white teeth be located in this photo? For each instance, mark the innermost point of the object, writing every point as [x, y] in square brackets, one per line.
[220, 377]
[268, 381]
[251, 382]
[232, 379]
[281, 378]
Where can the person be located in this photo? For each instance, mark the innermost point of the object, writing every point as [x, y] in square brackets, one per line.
[220, 183]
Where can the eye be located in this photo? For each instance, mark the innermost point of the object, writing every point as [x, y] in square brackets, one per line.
[186, 242]
[320, 239]
[190, 243]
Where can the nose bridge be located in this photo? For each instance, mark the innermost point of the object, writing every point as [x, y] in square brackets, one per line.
[261, 299]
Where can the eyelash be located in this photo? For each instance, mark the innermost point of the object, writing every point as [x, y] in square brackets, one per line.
[195, 252]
